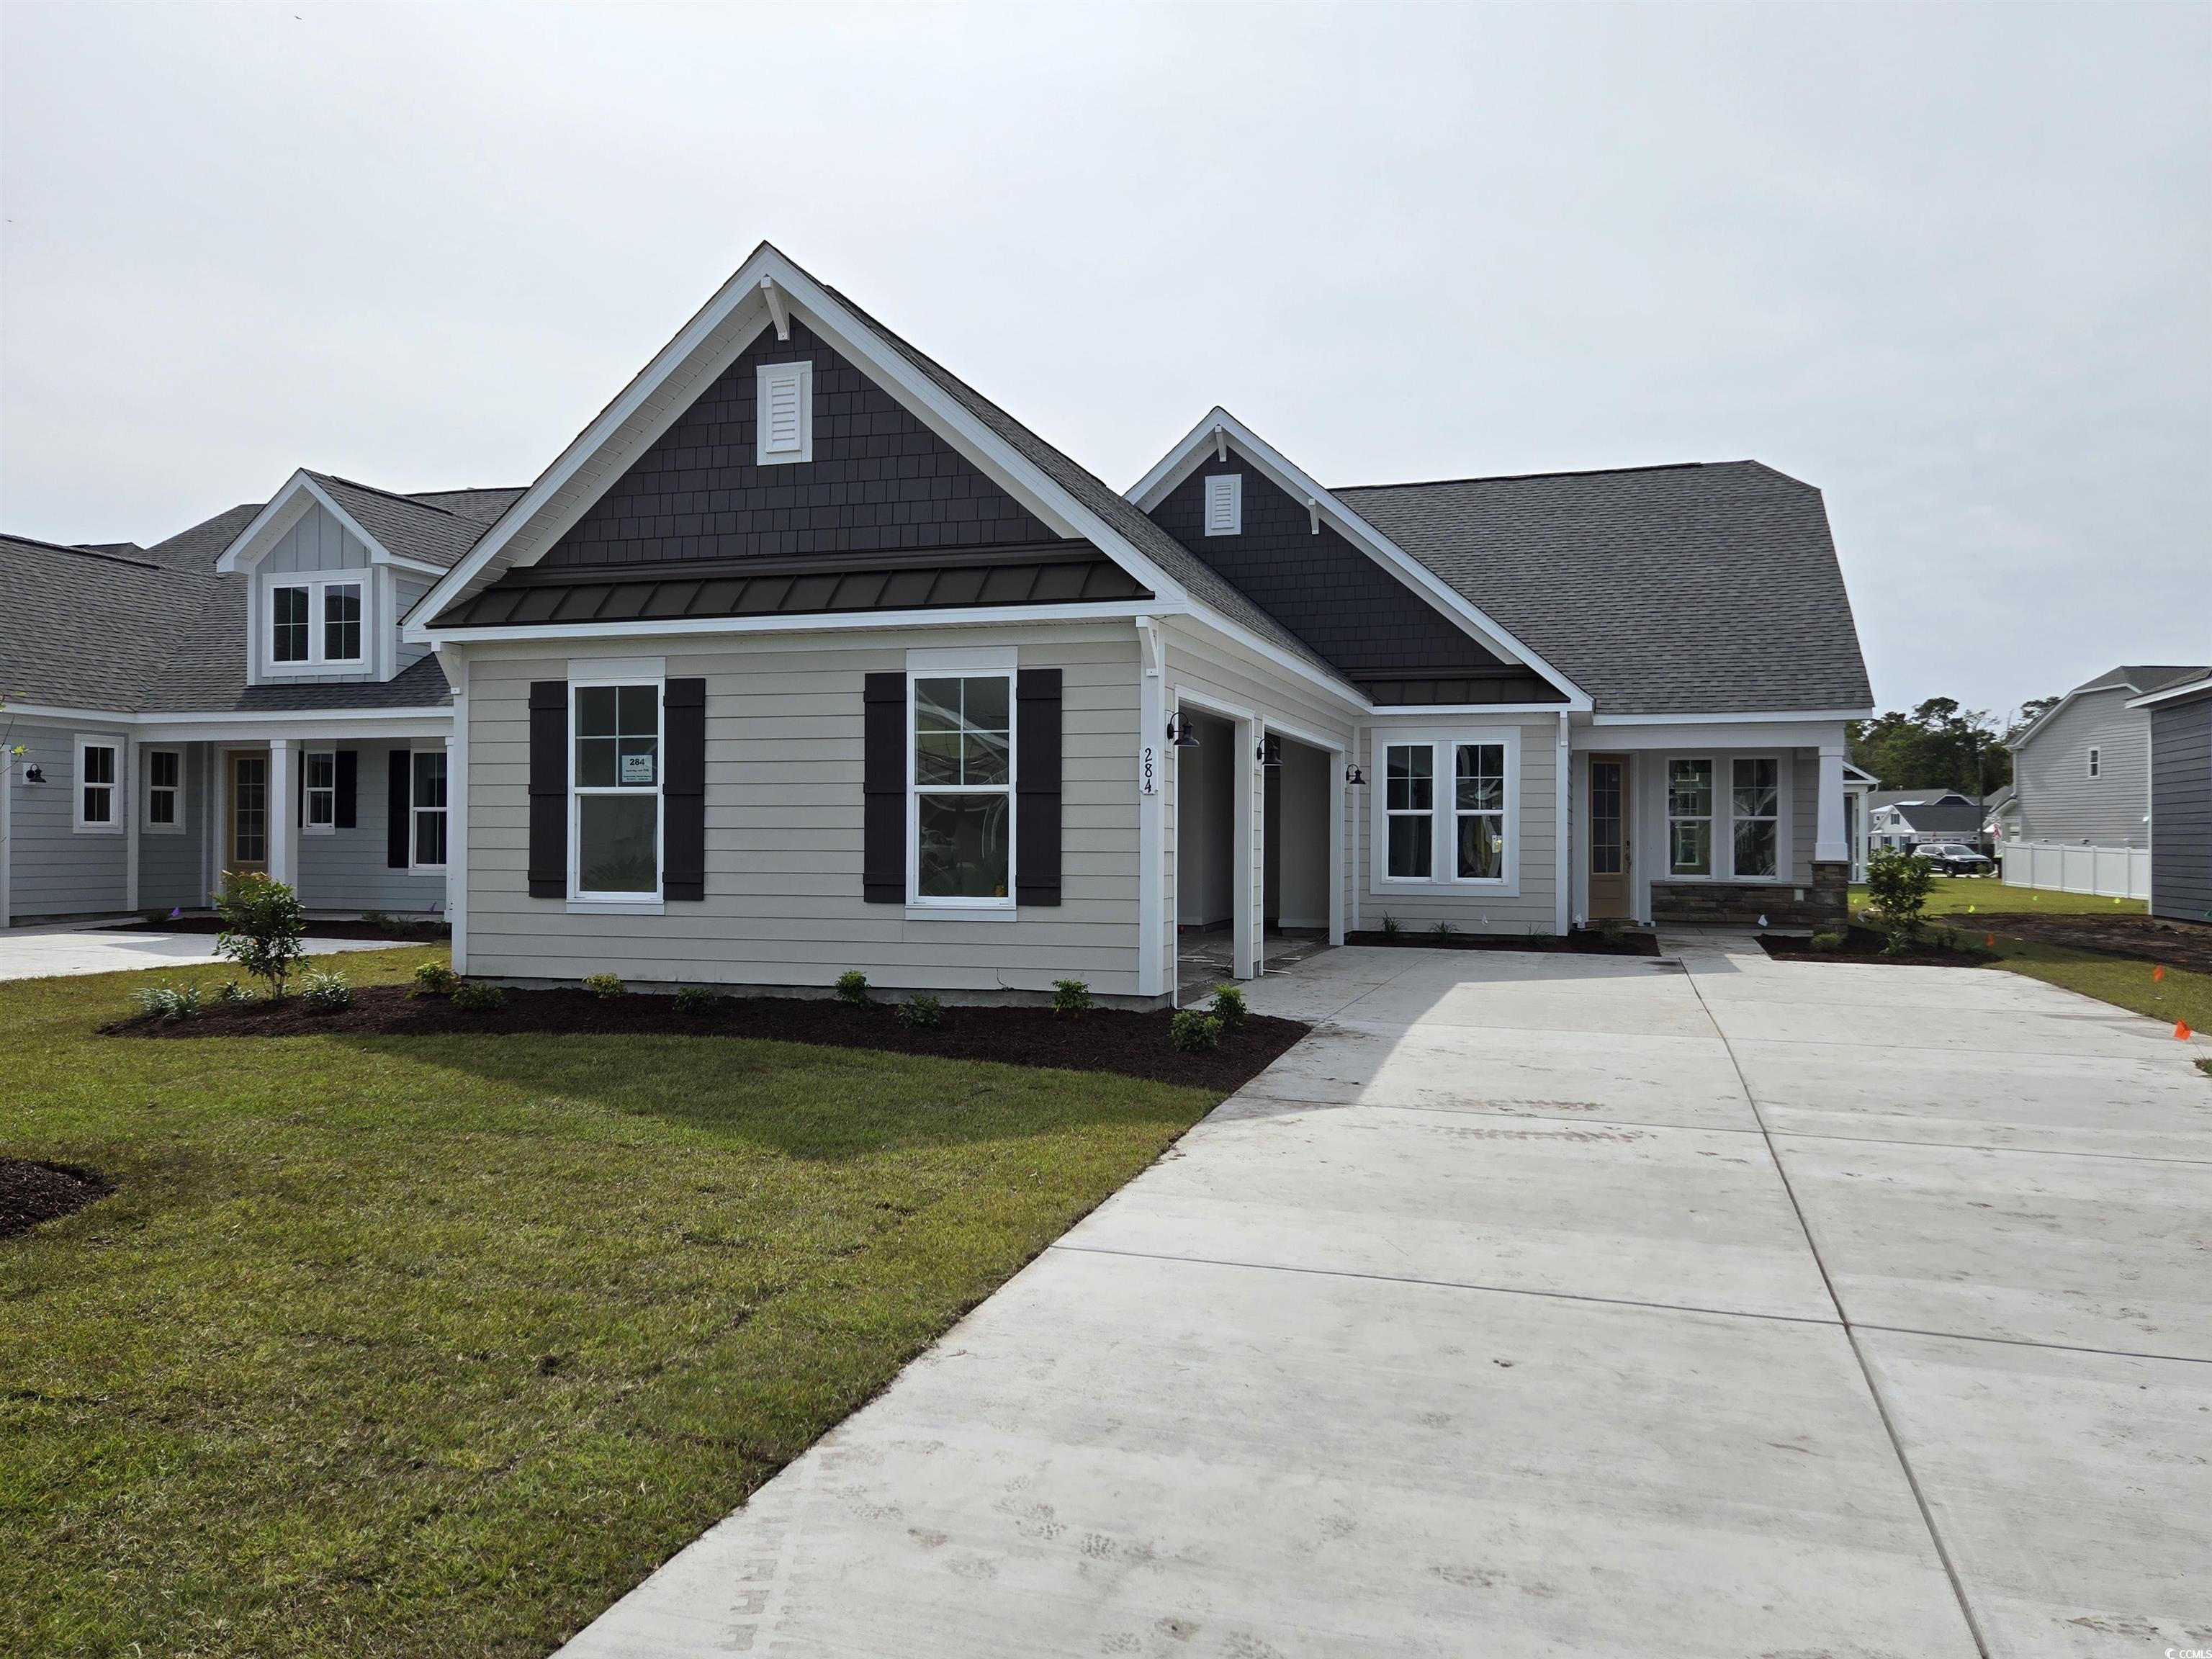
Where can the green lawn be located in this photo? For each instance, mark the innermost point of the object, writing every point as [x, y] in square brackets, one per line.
[436, 1345]
[1952, 894]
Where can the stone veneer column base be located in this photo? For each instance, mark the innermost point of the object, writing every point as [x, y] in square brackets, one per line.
[1823, 902]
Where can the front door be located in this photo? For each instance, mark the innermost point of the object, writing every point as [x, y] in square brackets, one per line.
[246, 810]
[1609, 838]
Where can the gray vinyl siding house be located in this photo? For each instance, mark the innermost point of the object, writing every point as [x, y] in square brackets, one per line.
[805, 657]
[2181, 798]
[2081, 773]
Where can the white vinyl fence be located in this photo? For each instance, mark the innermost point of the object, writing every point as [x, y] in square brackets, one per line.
[2115, 872]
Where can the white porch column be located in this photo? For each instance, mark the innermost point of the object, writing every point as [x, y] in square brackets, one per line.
[281, 865]
[1155, 968]
[126, 801]
[1830, 845]
[1247, 948]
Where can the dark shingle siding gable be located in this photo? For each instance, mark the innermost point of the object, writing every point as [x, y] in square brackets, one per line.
[879, 481]
[1696, 589]
[1377, 632]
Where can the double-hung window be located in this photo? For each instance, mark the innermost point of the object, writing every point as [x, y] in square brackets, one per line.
[317, 623]
[1479, 811]
[961, 791]
[319, 797]
[1409, 805]
[98, 766]
[427, 822]
[1756, 809]
[615, 794]
[1689, 818]
[164, 789]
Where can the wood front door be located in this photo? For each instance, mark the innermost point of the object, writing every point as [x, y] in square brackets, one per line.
[1610, 842]
[246, 811]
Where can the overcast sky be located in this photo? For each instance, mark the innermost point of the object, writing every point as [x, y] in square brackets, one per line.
[1949, 264]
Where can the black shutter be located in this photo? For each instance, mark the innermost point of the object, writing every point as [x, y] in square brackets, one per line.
[397, 798]
[1036, 786]
[683, 790]
[349, 800]
[882, 791]
[548, 789]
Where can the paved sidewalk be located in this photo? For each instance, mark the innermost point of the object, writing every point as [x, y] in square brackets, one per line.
[1546, 1305]
[35, 953]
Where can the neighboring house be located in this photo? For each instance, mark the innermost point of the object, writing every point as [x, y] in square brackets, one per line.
[1906, 818]
[2001, 816]
[806, 657]
[2180, 797]
[2082, 772]
[237, 697]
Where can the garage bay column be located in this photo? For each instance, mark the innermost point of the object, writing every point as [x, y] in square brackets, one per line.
[282, 865]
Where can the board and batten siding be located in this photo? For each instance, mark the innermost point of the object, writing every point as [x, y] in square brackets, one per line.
[2059, 801]
[783, 902]
[318, 544]
[2181, 810]
[55, 869]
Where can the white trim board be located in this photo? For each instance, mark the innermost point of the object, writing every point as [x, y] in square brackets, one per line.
[1207, 438]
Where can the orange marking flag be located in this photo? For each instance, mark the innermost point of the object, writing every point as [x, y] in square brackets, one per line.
[2181, 1030]
[2158, 973]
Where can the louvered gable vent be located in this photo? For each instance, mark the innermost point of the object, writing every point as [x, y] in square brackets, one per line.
[1225, 504]
[784, 414]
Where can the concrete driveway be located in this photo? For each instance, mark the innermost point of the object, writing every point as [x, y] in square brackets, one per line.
[35, 953]
[1550, 1306]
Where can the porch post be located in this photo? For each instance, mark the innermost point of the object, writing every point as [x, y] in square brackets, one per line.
[127, 791]
[1246, 867]
[1153, 758]
[279, 813]
[1830, 845]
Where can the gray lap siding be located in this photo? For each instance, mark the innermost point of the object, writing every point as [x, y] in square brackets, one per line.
[55, 869]
[2181, 811]
[783, 902]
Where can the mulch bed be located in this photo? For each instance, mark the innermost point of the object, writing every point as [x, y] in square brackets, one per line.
[2124, 934]
[1865, 944]
[1102, 1039]
[412, 933]
[32, 1193]
[1584, 941]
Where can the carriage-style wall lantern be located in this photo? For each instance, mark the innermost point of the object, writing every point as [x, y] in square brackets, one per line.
[1271, 750]
[34, 775]
[1354, 776]
[1181, 732]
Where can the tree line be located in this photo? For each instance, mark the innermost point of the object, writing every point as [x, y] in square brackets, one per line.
[1941, 746]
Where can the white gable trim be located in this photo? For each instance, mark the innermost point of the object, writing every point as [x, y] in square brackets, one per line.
[1219, 427]
[287, 507]
[705, 347]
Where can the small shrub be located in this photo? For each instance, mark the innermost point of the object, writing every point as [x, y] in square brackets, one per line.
[694, 1000]
[264, 928]
[1609, 929]
[232, 992]
[605, 987]
[1070, 996]
[169, 1001]
[1827, 941]
[326, 993]
[1898, 884]
[434, 979]
[1391, 925]
[1193, 1032]
[921, 1010]
[1229, 1008]
[478, 997]
[158, 916]
[1443, 930]
[852, 988]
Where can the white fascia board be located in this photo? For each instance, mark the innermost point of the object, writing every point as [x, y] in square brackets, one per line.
[1273, 654]
[2181, 693]
[811, 623]
[286, 508]
[827, 317]
[1191, 454]
[1397, 713]
[190, 725]
[1764, 717]
[1748, 733]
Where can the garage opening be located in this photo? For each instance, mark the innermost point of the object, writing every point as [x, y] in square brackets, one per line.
[1296, 836]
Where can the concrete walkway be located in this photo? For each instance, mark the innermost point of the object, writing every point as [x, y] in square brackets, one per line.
[1543, 1305]
[82, 948]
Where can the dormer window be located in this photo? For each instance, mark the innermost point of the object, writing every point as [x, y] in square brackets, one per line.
[1225, 504]
[317, 623]
[783, 418]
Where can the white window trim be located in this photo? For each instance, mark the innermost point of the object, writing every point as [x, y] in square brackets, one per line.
[634, 904]
[763, 374]
[315, 582]
[437, 748]
[176, 824]
[1722, 819]
[981, 666]
[78, 822]
[1230, 487]
[1443, 828]
[2096, 763]
[308, 824]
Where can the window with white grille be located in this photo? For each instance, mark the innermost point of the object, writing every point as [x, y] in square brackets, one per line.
[1225, 504]
[784, 416]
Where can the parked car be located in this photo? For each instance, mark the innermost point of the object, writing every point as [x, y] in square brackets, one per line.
[1950, 859]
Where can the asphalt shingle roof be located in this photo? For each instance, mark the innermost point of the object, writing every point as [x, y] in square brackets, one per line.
[1691, 589]
[407, 526]
[86, 629]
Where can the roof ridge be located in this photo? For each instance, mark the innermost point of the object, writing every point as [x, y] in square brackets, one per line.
[1515, 477]
[388, 495]
[82, 552]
